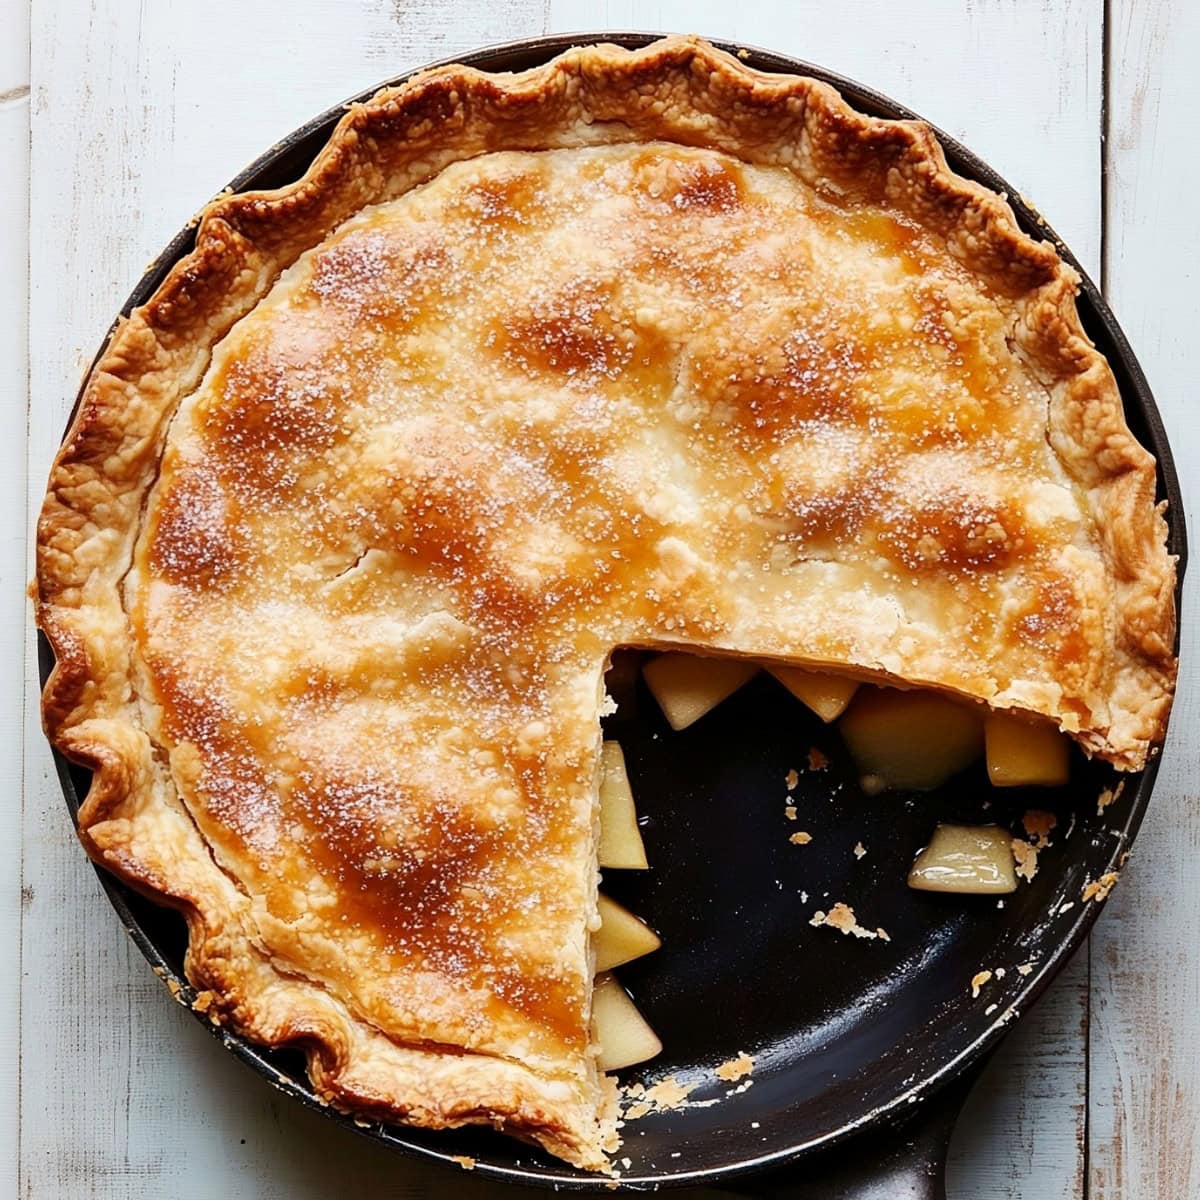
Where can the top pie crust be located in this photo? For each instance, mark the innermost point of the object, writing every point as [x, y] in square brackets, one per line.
[636, 347]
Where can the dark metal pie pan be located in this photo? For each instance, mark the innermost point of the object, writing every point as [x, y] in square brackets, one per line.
[863, 1051]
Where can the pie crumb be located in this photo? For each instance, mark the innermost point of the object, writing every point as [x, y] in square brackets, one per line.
[1038, 825]
[1025, 856]
[1099, 889]
[978, 981]
[860, 851]
[800, 838]
[735, 1068]
[1025, 969]
[663, 1096]
[791, 779]
[669, 1093]
[816, 760]
[790, 812]
[610, 1115]
[841, 917]
[465, 1161]
[1109, 796]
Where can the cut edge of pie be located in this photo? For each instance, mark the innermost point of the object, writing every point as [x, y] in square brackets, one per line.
[678, 90]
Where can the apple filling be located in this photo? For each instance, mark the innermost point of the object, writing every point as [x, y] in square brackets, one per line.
[620, 845]
[686, 687]
[968, 859]
[622, 937]
[910, 740]
[899, 738]
[827, 695]
[621, 1032]
[1020, 753]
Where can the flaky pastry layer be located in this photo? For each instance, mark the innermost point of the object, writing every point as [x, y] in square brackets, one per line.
[636, 347]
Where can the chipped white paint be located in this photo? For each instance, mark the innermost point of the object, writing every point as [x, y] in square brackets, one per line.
[139, 112]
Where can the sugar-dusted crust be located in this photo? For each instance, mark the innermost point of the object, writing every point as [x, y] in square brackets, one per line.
[1109, 600]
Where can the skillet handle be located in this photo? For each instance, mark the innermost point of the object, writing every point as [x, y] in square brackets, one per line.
[906, 1163]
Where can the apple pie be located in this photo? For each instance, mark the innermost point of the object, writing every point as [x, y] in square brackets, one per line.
[633, 349]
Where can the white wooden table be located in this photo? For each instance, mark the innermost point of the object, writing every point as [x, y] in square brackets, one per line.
[125, 116]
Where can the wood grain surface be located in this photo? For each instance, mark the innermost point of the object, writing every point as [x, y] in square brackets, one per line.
[140, 112]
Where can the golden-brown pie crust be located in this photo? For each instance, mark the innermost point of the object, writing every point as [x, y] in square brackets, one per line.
[1102, 630]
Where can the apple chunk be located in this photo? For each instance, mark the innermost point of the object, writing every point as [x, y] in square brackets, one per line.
[622, 937]
[620, 844]
[969, 859]
[686, 687]
[827, 695]
[912, 740]
[621, 1031]
[1020, 753]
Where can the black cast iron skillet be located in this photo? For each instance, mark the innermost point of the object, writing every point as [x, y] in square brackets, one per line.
[863, 1050]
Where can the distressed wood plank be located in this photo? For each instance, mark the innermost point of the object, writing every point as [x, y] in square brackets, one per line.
[14, 217]
[14, 59]
[1144, 1130]
[126, 1097]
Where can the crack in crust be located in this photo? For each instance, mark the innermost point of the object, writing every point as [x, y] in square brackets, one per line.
[677, 90]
